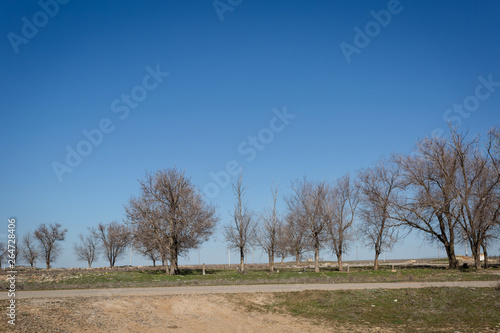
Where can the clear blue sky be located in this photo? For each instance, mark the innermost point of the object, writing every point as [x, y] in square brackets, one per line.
[225, 79]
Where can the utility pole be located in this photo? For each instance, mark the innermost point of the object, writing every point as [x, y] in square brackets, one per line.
[199, 256]
[229, 254]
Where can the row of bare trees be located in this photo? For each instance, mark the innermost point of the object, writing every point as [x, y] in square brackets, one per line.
[43, 243]
[447, 188]
[318, 213]
[110, 240]
[167, 219]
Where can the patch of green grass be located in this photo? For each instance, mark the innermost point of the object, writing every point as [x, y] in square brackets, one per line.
[409, 310]
[157, 277]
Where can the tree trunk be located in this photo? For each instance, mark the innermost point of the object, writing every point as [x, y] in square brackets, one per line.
[485, 251]
[48, 264]
[375, 262]
[339, 261]
[297, 258]
[154, 262]
[90, 263]
[476, 249]
[450, 253]
[167, 266]
[242, 260]
[271, 262]
[174, 267]
[282, 259]
[316, 258]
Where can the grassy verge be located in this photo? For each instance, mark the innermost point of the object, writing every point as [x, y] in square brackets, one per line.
[405, 310]
[78, 279]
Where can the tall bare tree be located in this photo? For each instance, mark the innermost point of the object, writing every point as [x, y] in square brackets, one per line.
[174, 213]
[268, 232]
[339, 211]
[49, 236]
[86, 249]
[240, 233]
[378, 188]
[478, 187]
[430, 203]
[29, 249]
[114, 239]
[305, 207]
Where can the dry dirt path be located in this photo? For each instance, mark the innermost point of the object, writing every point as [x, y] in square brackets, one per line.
[155, 314]
[265, 288]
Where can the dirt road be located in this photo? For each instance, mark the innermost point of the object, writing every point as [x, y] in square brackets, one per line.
[265, 288]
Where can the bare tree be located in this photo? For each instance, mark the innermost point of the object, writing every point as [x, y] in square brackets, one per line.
[430, 203]
[339, 213]
[49, 236]
[87, 248]
[114, 239]
[29, 249]
[378, 186]
[267, 236]
[294, 238]
[478, 187]
[240, 234]
[305, 206]
[174, 214]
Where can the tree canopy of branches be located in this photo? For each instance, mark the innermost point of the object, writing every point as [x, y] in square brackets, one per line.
[29, 249]
[241, 233]
[339, 212]
[268, 232]
[430, 202]
[86, 249]
[306, 209]
[173, 212]
[49, 236]
[378, 188]
[478, 188]
[114, 238]
[293, 239]
[147, 244]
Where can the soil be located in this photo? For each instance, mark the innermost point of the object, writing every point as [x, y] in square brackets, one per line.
[176, 313]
